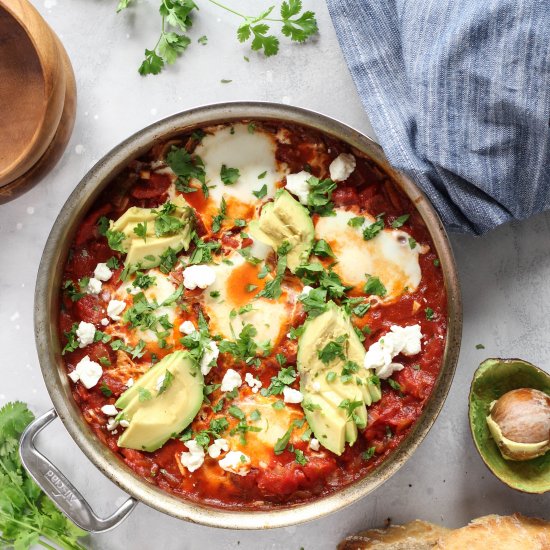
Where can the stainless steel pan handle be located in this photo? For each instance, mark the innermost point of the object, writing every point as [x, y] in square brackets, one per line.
[62, 492]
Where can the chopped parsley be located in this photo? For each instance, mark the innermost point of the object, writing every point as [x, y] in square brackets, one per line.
[262, 176]
[229, 175]
[399, 222]
[143, 280]
[323, 249]
[166, 382]
[374, 286]
[203, 250]
[244, 347]
[315, 302]
[368, 454]
[103, 225]
[412, 243]
[429, 313]
[115, 240]
[395, 385]
[141, 230]
[262, 192]
[72, 291]
[144, 394]
[373, 229]
[186, 167]
[272, 288]
[284, 377]
[358, 221]
[333, 349]
[105, 390]
[219, 217]
[319, 200]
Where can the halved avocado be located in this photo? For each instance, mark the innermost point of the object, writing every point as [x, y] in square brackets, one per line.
[155, 411]
[146, 253]
[493, 379]
[322, 385]
[285, 219]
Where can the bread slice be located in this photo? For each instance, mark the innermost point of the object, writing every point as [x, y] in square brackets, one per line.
[514, 532]
[416, 535]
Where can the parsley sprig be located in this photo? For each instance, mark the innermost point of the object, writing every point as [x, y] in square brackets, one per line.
[27, 516]
[176, 20]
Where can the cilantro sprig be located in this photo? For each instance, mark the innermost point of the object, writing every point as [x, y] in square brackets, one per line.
[27, 516]
[177, 20]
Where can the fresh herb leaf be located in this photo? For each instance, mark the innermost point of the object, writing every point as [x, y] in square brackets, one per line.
[219, 217]
[166, 382]
[72, 291]
[261, 177]
[203, 40]
[374, 286]
[186, 167]
[104, 389]
[319, 200]
[412, 243]
[373, 229]
[429, 313]
[229, 175]
[315, 302]
[262, 192]
[368, 454]
[480, 346]
[141, 230]
[103, 225]
[323, 249]
[358, 221]
[27, 517]
[144, 394]
[399, 222]
[333, 350]
[284, 377]
[115, 240]
[395, 385]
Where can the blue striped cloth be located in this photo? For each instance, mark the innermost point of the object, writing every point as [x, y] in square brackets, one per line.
[458, 92]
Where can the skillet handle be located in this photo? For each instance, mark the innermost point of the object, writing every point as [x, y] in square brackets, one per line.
[61, 491]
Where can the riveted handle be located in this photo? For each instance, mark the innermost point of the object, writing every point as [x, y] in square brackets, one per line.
[62, 492]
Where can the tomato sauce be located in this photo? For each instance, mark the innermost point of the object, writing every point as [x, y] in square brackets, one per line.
[282, 481]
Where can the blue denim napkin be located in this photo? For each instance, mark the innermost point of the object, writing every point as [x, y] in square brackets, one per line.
[458, 92]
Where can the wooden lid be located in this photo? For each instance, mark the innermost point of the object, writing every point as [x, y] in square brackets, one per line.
[35, 76]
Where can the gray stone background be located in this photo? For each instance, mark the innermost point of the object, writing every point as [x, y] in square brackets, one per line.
[504, 275]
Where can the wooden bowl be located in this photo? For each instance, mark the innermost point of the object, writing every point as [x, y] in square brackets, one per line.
[37, 97]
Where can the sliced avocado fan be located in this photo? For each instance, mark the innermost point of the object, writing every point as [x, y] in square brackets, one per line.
[337, 388]
[163, 402]
[145, 248]
[286, 220]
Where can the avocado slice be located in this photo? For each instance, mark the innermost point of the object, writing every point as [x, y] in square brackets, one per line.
[494, 378]
[155, 414]
[324, 389]
[285, 219]
[146, 253]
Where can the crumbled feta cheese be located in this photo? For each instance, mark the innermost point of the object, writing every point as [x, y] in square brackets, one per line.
[342, 167]
[104, 321]
[87, 371]
[187, 327]
[306, 290]
[254, 383]
[405, 340]
[236, 463]
[209, 357]
[193, 459]
[129, 382]
[314, 444]
[292, 396]
[124, 423]
[115, 308]
[199, 276]
[231, 380]
[316, 386]
[297, 185]
[112, 424]
[94, 286]
[109, 410]
[219, 445]
[102, 272]
[85, 333]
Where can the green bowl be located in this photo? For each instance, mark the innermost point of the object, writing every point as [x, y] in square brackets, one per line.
[492, 379]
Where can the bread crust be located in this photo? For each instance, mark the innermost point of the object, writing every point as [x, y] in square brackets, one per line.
[515, 532]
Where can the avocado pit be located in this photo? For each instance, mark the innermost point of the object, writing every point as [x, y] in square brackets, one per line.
[519, 422]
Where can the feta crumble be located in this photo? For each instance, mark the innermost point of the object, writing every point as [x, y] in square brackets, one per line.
[292, 396]
[109, 410]
[314, 444]
[85, 333]
[231, 380]
[209, 357]
[94, 286]
[297, 185]
[405, 340]
[129, 382]
[219, 445]
[104, 321]
[306, 290]
[254, 383]
[342, 167]
[200, 276]
[115, 308]
[236, 463]
[87, 371]
[193, 459]
[102, 272]
[187, 327]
